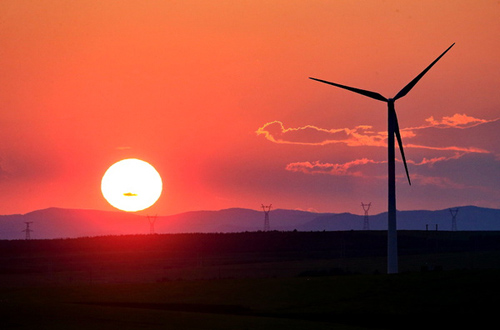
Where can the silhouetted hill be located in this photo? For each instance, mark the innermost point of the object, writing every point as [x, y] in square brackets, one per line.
[63, 223]
[233, 220]
[468, 218]
[68, 223]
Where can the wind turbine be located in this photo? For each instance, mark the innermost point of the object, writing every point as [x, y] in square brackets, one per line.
[393, 129]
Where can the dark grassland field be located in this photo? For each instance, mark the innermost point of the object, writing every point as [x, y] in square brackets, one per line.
[253, 280]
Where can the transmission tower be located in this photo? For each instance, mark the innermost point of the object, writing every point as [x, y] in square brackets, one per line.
[152, 220]
[366, 223]
[266, 209]
[28, 230]
[454, 219]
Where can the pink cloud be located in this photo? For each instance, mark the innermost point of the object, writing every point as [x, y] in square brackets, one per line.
[450, 148]
[456, 121]
[434, 160]
[306, 135]
[317, 167]
[312, 135]
[353, 168]
[362, 135]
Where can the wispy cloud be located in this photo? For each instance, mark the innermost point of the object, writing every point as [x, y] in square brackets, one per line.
[455, 121]
[312, 135]
[317, 167]
[364, 135]
[349, 168]
[434, 160]
[356, 168]
[449, 148]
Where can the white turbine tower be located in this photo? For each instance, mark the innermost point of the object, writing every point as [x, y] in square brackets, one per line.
[392, 130]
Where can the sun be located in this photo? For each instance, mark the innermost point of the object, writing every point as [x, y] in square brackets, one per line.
[131, 185]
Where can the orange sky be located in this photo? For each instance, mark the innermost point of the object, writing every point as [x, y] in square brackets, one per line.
[216, 95]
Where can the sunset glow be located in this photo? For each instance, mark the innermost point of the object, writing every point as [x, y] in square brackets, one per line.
[216, 95]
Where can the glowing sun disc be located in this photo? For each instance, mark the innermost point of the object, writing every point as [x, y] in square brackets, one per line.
[131, 185]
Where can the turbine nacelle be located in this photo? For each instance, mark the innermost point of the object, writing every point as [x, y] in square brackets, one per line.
[390, 102]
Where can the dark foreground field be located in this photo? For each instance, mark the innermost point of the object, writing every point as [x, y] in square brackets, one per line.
[269, 280]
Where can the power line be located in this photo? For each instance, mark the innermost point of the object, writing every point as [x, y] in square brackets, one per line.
[28, 230]
[152, 220]
[266, 209]
[454, 218]
[366, 223]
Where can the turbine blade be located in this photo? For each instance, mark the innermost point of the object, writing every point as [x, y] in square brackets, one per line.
[373, 95]
[412, 83]
[400, 142]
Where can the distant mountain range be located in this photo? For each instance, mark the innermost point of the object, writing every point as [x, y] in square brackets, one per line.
[69, 223]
